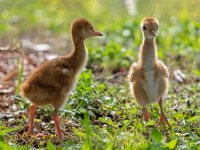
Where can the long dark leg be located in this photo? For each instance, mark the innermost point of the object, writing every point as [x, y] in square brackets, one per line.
[57, 123]
[162, 117]
[32, 110]
[145, 113]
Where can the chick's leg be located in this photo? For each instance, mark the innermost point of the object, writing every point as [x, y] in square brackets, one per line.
[141, 98]
[32, 110]
[145, 113]
[163, 118]
[57, 123]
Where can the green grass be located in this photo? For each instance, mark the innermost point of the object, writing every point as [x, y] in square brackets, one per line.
[107, 115]
[120, 124]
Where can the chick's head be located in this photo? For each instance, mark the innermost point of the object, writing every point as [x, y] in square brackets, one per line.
[84, 29]
[149, 27]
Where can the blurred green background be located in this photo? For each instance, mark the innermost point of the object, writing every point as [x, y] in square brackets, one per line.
[21, 16]
[48, 21]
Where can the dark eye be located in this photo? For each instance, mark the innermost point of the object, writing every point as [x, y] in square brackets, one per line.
[90, 28]
[144, 28]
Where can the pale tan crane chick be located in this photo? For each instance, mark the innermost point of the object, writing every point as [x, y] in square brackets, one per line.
[51, 83]
[149, 77]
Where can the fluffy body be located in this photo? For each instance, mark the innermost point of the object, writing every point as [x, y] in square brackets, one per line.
[50, 83]
[149, 85]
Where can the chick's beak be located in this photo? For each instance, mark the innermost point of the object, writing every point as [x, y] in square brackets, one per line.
[154, 33]
[96, 33]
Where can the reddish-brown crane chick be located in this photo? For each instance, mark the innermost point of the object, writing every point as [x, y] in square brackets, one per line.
[52, 82]
[149, 77]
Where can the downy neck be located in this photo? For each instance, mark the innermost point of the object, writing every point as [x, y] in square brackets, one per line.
[79, 54]
[148, 54]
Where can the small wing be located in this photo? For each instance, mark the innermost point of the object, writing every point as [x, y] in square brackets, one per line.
[63, 67]
[162, 69]
[134, 72]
